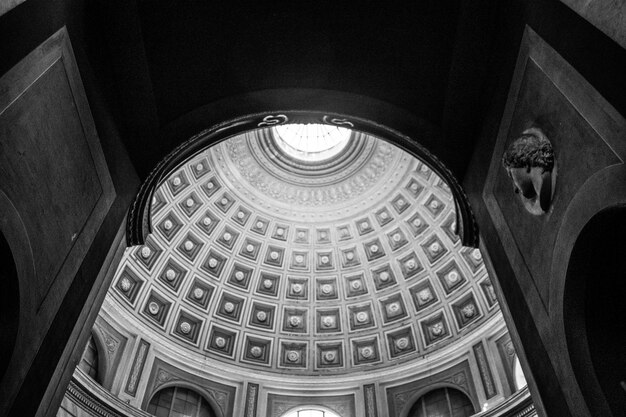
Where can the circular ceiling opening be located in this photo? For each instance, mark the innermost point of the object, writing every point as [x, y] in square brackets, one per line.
[311, 142]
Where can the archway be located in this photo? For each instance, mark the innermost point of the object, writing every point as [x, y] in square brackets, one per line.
[311, 411]
[594, 311]
[9, 305]
[442, 402]
[179, 401]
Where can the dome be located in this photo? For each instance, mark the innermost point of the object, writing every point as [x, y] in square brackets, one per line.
[266, 263]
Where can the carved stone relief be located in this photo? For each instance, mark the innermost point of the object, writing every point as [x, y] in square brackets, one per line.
[531, 165]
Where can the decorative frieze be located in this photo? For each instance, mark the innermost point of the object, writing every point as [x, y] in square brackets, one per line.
[485, 371]
[369, 395]
[252, 398]
[137, 368]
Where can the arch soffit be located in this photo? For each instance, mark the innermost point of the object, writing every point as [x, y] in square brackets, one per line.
[611, 184]
[584, 206]
[14, 231]
[103, 360]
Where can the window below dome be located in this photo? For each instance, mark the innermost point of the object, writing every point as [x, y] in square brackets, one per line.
[311, 142]
[179, 402]
[442, 402]
[311, 412]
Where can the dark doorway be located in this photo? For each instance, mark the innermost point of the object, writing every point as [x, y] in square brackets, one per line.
[9, 304]
[595, 311]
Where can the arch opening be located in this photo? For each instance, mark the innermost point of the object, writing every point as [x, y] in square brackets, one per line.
[594, 309]
[9, 305]
[442, 402]
[311, 411]
[179, 401]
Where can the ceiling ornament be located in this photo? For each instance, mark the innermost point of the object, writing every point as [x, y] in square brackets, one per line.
[271, 120]
[337, 121]
[245, 165]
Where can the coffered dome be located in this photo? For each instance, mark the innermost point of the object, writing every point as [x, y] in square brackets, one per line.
[276, 262]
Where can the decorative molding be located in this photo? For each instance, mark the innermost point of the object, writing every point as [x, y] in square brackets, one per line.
[528, 411]
[252, 396]
[162, 377]
[271, 120]
[337, 121]
[256, 170]
[278, 405]
[485, 372]
[371, 408]
[85, 401]
[89, 396]
[111, 346]
[111, 343]
[509, 348]
[401, 398]
[220, 398]
[137, 368]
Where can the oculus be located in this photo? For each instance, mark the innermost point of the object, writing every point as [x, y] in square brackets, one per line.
[311, 142]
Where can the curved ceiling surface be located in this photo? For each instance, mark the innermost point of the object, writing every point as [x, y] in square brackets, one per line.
[280, 265]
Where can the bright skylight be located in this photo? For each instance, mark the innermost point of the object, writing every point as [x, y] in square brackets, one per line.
[311, 142]
[311, 412]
